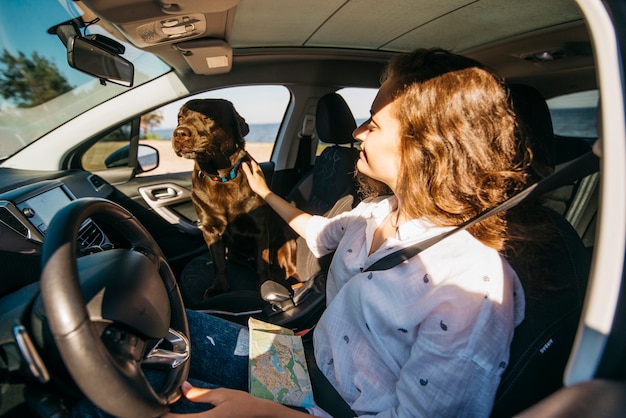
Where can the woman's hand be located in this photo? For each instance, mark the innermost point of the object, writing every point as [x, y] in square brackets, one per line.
[296, 218]
[233, 403]
[257, 182]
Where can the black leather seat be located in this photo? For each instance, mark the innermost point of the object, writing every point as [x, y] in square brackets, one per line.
[332, 176]
[534, 115]
[594, 398]
[549, 151]
[542, 342]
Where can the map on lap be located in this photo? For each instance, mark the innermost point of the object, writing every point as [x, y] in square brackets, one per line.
[278, 369]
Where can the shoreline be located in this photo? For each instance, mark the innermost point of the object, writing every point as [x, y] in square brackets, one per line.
[169, 162]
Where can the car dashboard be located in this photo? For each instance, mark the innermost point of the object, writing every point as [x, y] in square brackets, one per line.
[28, 202]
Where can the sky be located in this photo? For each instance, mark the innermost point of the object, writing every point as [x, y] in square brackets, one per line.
[29, 34]
[257, 104]
[267, 104]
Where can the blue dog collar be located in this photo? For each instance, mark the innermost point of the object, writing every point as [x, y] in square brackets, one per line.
[231, 175]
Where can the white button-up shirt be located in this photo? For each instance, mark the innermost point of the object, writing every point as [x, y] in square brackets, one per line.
[427, 338]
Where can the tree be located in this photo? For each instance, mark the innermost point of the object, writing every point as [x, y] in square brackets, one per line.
[149, 121]
[29, 82]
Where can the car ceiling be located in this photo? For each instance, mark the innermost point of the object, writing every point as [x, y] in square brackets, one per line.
[503, 34]
[393, 25]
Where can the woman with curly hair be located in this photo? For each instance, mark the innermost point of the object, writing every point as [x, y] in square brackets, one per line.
[430, 336]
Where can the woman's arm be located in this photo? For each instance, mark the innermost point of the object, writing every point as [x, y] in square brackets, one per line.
[296, 218]
[235, 403]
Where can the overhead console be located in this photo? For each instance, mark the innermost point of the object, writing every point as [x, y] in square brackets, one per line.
[198, 30]
[151, 22]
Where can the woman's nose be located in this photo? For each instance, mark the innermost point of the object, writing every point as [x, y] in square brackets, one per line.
[358, 133]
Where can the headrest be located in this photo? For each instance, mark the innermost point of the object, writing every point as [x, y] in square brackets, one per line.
[532, 111]
[334, 121]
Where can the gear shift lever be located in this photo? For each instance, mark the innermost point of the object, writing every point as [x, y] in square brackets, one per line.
[273, 292]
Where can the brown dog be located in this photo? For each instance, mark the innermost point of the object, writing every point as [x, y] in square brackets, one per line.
[233, 218]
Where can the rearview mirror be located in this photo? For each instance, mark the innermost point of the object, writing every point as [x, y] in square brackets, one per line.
[99, 60]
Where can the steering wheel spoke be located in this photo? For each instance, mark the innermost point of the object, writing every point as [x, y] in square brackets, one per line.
[170, 352]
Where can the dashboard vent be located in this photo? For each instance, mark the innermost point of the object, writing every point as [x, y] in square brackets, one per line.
[7, 218]
[90, 235]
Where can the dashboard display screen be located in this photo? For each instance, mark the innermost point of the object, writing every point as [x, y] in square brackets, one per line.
[44, 206]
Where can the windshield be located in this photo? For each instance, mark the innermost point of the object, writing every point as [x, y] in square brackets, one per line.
[38, 89]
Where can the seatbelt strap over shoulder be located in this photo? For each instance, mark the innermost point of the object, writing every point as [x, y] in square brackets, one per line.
[582, 166]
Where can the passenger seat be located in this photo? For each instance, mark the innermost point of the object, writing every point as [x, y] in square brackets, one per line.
[577, 202]
[534, 116]
[332, 176]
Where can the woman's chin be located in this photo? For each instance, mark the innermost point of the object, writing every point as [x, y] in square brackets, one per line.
[361, 165]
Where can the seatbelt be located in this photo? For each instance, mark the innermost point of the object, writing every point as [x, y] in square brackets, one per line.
[582, 166]
[328, 398]
[303, 159]
[324, 393]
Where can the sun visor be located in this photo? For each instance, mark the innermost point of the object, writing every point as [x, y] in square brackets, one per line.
[207, 56]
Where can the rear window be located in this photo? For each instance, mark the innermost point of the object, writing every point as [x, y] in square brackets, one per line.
[575, 115]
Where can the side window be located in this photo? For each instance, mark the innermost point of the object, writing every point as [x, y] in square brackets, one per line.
[110, 151]
[263, 108]
[575, 115]
[359, 101]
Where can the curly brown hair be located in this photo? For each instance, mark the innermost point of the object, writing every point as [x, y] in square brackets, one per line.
[460, 148]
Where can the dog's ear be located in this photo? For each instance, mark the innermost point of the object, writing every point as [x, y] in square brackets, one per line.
[219, 109]
[240, 122]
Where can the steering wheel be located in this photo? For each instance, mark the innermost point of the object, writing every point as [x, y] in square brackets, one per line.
[114, 313]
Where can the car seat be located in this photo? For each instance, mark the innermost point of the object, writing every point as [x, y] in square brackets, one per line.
[549, 152]
[332, 179]
[598, 398]
[542, 342]
[332, 176]
[534, 117]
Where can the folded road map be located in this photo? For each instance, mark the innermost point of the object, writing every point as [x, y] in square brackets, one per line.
[278, 369]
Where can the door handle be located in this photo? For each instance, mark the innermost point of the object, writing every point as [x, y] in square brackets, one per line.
[165, 193]
[160, 196]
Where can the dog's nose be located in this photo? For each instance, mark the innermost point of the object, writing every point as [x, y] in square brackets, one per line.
[182, 133]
